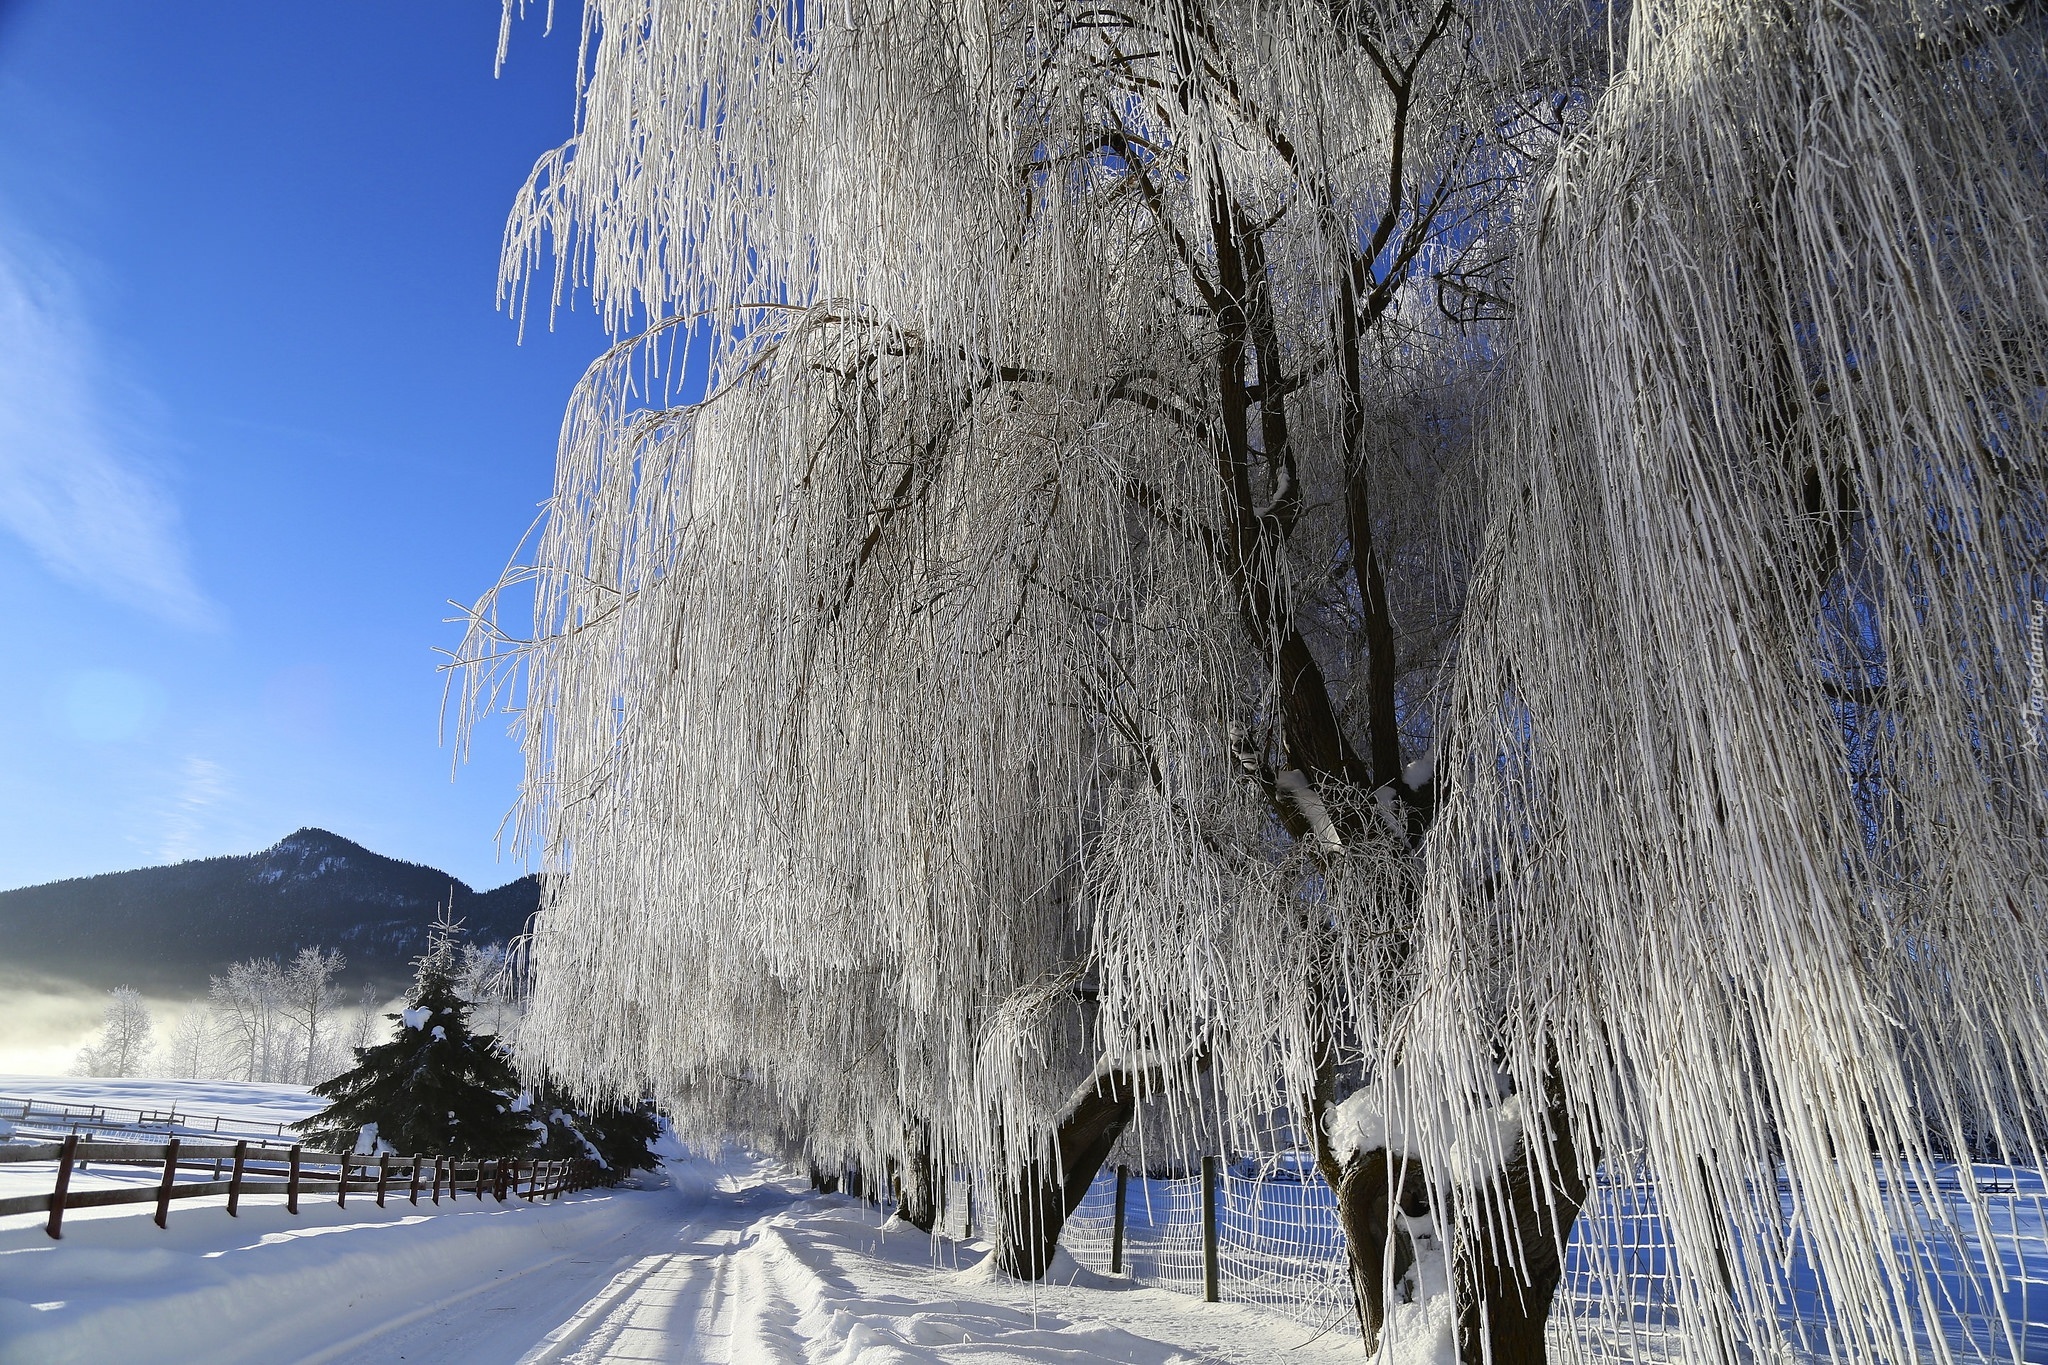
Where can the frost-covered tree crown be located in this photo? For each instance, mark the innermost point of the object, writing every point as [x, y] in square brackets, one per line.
[1460, 571]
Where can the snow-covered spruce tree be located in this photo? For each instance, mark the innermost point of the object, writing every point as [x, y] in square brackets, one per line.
[1462, 568]
[616, 1138]
[435, 1088]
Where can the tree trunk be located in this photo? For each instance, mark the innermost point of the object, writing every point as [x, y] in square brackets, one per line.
[821, 1182]
[1039, 1199]
[1507, 1281]
[918, 1196]
[1377, 1247]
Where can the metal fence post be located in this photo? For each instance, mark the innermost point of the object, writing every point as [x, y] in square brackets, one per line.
[1116, 1234]
[56, 1225]
[1209, 1287]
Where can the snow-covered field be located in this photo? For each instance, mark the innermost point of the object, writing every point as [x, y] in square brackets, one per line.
[242, 1109]
[261, 1106]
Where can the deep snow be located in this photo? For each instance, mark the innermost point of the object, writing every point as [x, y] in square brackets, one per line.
[233, 1101]
[740, 1263]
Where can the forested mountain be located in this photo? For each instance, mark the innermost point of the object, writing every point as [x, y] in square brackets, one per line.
[168, 928]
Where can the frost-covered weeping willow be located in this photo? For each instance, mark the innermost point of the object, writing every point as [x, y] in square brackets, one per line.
[1462, 570]
[1760, 853]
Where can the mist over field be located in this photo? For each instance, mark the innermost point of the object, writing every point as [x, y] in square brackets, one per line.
[46, 1019]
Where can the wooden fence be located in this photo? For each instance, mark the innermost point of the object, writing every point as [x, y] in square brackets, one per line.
[57, 1119]
[249, 1168]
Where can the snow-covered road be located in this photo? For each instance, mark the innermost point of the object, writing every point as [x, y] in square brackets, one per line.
[649, 1289]
[738, 1265]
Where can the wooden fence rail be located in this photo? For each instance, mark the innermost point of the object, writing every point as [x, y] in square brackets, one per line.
[245, 1168]
[86, 1119]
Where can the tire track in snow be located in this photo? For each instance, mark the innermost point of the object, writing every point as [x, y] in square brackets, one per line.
[752, 1270]
[656, 1290]
[638, 1315]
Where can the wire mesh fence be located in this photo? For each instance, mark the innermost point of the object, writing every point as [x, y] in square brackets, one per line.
[1982, 1286]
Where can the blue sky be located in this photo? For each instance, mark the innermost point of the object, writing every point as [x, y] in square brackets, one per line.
[259, 418]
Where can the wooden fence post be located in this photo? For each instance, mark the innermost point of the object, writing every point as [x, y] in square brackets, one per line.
[291, 1189]
[415, 1192]
[967, 1232]
[1209, 1276]
[341, 1185]
[1116, 1233]
[235, 1180]
[383, 1175]
[437, 1180]
[480, 1164]
[56, 1224]
[163, 1191]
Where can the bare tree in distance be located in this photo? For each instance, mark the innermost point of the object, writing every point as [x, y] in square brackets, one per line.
[309, 997]
[364, 1032]
[124, 1040]
[248, 1005]
[188, 1052]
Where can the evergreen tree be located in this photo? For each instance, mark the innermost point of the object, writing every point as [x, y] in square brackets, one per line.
[617, 1137]
[435, 1088]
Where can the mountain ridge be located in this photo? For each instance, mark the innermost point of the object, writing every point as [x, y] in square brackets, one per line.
[171, 927]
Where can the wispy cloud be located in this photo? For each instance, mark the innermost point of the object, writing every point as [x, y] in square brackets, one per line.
[71, 485]
[204, 782]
